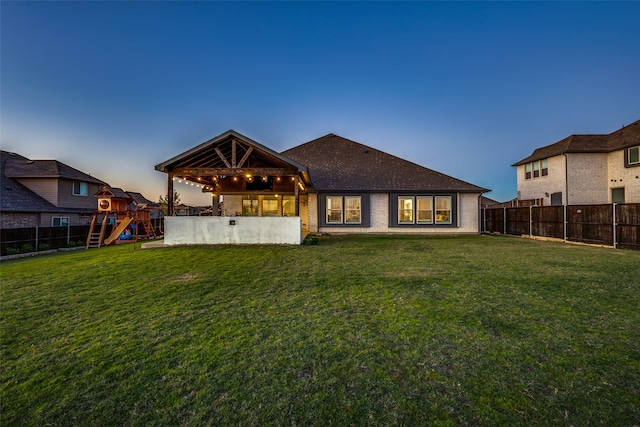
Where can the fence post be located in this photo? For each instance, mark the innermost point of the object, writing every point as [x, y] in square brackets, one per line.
[615, 243]
[564, 222]
[504, 220]
[530, 221]
[484, 219]
[36, 238]
[68, 232]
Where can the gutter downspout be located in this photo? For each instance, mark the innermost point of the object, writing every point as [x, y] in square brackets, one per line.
[566, 179]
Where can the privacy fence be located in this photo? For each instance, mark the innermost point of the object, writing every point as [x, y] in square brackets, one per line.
[35, 239]
[616, 225]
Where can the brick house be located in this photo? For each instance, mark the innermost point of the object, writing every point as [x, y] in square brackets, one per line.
[584, 170]
[332, 184]
[44, 193]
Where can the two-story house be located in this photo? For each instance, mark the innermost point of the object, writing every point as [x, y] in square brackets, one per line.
[584, 170]
[44, 193]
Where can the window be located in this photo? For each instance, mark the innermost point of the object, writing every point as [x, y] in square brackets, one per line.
[425, 209]
[443, 209]
[347, 207]
[634, 155]
[536, 169]
[79, 188]
[288, 206]
[334, 210]
[59, 221]
[352, 209]
[250, 206]
[617, 195]
[270, 206]
[405, 210]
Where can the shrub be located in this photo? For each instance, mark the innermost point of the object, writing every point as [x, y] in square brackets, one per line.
[27, 247]
[12, 251]
[310, 241]
[43, 247]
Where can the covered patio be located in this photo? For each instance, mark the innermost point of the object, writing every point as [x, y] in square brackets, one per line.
[258, 195]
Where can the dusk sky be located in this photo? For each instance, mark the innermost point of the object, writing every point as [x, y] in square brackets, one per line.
[467, 89]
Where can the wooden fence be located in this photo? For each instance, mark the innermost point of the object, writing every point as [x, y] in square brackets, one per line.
[44, 238]
[616, 225]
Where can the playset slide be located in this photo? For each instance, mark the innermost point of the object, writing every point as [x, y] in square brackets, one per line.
[118, 231]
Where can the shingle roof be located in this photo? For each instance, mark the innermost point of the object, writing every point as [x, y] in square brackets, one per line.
[21, 167]
[339, 164]
[15, 197]
[139, 199]
[627, 136]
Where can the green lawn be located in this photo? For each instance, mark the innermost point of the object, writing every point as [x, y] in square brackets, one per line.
[376, 330]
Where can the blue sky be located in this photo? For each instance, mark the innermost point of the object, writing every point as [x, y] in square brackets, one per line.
[467, 89]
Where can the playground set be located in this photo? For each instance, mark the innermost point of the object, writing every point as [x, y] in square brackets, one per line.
[131, 220]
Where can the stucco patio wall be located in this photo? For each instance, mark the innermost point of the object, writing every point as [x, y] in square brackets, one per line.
[214, 230]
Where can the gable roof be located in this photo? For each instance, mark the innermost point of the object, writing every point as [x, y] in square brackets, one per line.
[205, 157]
[15, 197]
[339, 164]
[21, 167]
[139, 199]
[627, 136]
[107, 190]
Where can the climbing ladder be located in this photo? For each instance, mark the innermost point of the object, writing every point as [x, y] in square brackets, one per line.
[95, 239]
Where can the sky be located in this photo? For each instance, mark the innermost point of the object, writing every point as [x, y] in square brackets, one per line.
[464, 88]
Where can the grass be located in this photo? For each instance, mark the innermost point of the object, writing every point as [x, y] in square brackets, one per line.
[358, 330]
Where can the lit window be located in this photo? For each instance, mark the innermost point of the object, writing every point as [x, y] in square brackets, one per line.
[443, 209]
[288, 206]
[634, 155]
[425, 210]
[545, 167]
[352, 209]
[536, 169]
[59, 221]
[527, 171]
[250, 206]
[334, 210]
[79, 188]
[405, 210]
[270, 206]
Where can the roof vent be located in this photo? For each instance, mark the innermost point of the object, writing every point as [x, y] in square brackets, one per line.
[366, 151]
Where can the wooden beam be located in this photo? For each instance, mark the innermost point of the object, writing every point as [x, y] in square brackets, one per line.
[296, 196]
[245, 157]
[233, 172]
[170, 194]
[222, 157]
[233, 153]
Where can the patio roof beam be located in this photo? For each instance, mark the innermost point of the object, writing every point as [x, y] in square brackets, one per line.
[233, 172]
[222, 157]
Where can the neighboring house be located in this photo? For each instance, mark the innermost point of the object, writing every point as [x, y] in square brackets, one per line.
[49, 193]
[584, 169]
[333, 184]
[44, 193]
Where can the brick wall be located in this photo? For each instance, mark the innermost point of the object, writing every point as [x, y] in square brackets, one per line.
[19, 220]
[537, 188]
[587, 178]
[619, 176]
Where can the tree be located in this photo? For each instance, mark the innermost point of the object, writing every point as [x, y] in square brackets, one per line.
[164, 201]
